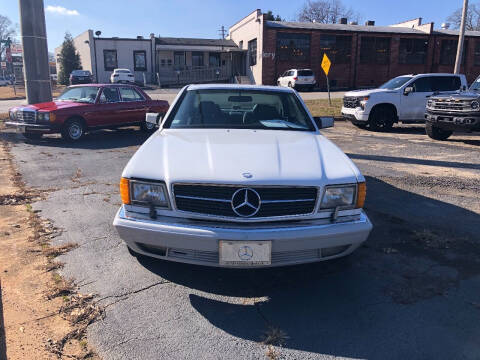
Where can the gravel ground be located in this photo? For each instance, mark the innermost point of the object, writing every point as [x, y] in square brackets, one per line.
[412, 292]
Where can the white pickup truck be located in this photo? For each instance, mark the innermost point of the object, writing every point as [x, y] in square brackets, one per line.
[401, 99]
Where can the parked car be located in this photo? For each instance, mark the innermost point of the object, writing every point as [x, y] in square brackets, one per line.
[122, 76]
[298, 79]
[446, 114]
[4, 81]
[81, 108]
[81, 77]
[402, 99]
[242, 177]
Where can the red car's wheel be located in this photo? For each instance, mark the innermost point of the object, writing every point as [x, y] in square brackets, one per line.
[73, 130]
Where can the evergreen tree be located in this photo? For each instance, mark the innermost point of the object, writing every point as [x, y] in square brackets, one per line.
[69, 60]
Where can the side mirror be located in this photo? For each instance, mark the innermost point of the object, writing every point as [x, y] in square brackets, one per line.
[407, 90]
[324, 121]
[153, 118]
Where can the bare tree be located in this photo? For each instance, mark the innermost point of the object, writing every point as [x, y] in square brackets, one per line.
[472, 21]
[326, 11]
[6, 28]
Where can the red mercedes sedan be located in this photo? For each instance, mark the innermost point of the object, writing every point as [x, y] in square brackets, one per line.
[81, 108]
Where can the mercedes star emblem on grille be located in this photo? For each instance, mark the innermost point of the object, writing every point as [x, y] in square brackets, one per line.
[245, 202]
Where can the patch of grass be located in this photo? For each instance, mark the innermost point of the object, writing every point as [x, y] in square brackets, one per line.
[55, 251]
[29, 208]
[7, 92]
[274, 336]
[321, 107]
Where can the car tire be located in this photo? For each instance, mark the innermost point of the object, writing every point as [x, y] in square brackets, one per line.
[147, 127]
[73, 130]
[33, 135]
[436, 133]
[381, 118]
[290, 85]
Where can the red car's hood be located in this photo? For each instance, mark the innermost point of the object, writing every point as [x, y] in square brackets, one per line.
[54, 105]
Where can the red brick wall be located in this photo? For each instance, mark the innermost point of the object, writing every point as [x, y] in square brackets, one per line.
[360, 75]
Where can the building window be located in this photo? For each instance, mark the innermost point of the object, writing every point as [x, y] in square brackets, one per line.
[110, 59]
[197, 58]
[338, 48]
[162, 62]
[375, 50]
[140, 60]
[214, 59]
[252, 52]
[169, 62]
[293, 47]
[412, 51]
[476, 55]
[448, 52]
[179, 59]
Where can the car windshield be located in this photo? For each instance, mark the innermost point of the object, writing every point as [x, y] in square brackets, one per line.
[475, 85]
[80, 72]
[239, 109]
[395, 83]
[305, 73]
[83, 94]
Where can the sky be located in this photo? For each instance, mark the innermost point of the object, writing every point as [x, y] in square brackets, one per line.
[202, 18]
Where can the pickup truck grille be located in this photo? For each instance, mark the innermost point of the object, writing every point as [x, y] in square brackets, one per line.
[216, 200]
[451, 105]
[350, 102]
[26, 116]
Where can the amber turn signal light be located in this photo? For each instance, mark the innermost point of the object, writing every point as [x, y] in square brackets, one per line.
[125, 191]
[361, 194]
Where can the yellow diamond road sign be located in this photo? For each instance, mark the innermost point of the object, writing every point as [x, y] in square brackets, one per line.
[326, 64]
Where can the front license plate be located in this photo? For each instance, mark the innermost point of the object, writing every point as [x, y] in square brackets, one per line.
[245, 253]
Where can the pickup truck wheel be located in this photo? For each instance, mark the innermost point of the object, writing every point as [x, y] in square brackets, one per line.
[32, 135]
[73, 130]
[382, 119]
[436, 133]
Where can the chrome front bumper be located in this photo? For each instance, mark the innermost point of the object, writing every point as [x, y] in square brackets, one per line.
[22, 127]
[197, 242]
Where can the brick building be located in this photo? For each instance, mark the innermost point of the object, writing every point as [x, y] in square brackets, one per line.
[361, 55]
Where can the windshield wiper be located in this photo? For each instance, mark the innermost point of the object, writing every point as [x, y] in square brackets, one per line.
[281, 124]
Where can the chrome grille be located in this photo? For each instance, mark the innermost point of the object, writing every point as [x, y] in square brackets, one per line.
[455, 105]
[350, 102]
[215, 200]
[26, 116]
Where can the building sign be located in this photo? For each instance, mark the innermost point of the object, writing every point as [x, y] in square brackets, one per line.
[268, 55]
[326, 64]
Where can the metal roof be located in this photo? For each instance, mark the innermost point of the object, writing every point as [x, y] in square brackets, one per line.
[343, 27]
[194, 42]
[455, 32]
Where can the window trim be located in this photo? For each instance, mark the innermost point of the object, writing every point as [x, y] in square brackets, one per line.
[372, 59]
[409, 54]
[105, 63]
[135, 68]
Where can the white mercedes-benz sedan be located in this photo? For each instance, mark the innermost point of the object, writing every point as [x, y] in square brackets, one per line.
[241, 176]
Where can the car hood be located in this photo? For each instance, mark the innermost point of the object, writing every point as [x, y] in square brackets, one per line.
[223, 156]
[470, 95]
[52, 105]
[368, 92]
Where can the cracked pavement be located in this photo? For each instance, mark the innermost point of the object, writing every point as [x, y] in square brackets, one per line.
[409, 293]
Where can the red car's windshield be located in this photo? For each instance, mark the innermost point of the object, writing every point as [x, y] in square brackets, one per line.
[84, 94]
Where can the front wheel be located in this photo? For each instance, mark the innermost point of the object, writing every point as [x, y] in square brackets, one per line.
[382, 119]
[33, 135]
[73, 130]
[437, 133]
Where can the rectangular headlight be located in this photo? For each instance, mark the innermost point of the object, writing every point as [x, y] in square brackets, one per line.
[143, 193]
[43, 116]
[338, 196]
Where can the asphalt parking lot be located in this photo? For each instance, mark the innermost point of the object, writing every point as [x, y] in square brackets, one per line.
[412, 292]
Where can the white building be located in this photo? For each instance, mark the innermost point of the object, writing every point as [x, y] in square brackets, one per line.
[164, 60]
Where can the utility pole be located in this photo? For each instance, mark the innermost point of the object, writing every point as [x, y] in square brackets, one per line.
[461, 36]
[35, 51]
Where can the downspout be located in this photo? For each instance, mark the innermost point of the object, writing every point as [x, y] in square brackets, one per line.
[95, 54]
[355, 58]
